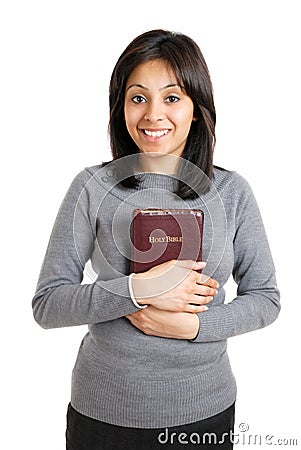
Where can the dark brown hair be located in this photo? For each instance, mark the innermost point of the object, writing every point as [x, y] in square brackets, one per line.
[188, 64]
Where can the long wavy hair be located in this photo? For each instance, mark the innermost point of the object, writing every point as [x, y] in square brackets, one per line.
[186, 60]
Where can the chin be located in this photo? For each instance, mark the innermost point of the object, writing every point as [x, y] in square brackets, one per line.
[153, 153]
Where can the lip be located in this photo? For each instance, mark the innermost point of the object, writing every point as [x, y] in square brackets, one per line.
[154, 134]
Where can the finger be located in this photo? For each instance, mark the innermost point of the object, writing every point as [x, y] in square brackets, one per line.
[201, 300]
[198, 265]
[196, 308]
[135, 322]
[132, 315]
[207, 281]
[200, 289]
[190, 264]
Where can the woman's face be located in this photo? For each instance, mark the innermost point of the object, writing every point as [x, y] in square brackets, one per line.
[158, 113]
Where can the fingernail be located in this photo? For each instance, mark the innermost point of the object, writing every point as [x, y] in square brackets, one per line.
[205, 308]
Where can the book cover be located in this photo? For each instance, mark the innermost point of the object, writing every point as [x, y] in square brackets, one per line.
[159, 235]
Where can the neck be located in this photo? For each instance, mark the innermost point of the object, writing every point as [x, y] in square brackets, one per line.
[158, 163]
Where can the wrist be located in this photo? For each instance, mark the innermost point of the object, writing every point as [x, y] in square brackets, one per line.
[139, 289]
[132, 293]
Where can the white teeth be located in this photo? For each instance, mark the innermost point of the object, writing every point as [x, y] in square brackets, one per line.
[156, 133]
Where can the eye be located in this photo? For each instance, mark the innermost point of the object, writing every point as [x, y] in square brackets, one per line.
[172, 99]
[138, 99]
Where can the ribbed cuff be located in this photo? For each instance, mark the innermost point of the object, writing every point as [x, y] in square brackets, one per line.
[216, 324]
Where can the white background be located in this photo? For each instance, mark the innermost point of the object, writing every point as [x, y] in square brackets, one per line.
[56, 60]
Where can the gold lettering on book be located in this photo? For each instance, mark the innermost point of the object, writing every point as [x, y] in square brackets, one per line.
[154, 240]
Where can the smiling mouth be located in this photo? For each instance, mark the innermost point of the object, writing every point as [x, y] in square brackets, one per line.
[154, 134]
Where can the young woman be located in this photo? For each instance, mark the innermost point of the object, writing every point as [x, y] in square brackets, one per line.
[153, 369]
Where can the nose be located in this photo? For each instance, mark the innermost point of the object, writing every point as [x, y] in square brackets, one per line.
[154, 112]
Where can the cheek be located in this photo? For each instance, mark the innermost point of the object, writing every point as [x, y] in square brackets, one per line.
[184, 120]
[131, 119]
[184, 115]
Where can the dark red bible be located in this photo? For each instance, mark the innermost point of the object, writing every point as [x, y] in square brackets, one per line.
[159, 235]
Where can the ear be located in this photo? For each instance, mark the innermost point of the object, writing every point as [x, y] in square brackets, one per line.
[194, 119]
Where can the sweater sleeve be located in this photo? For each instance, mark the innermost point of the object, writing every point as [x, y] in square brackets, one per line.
[257, 302]
[60, 299]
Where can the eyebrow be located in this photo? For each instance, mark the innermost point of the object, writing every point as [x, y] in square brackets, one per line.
[161, 89]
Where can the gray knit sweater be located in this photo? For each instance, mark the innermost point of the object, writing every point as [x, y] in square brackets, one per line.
[122, 376]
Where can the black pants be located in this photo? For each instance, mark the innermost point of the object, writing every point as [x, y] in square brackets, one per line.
[84, 433]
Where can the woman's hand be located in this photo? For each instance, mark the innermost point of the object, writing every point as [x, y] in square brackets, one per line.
[167, 324]
[175, 286]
